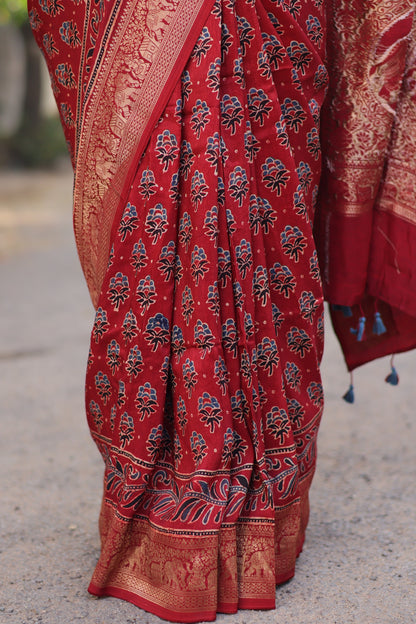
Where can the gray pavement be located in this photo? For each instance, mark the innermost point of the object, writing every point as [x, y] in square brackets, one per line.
[359, 560]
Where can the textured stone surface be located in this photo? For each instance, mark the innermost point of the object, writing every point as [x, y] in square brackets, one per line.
[359, 560]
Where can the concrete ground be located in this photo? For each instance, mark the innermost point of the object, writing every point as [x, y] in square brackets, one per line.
[359, 561]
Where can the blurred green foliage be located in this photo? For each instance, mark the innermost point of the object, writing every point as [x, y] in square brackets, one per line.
[13, 11]
[39, 140]
[38, 146]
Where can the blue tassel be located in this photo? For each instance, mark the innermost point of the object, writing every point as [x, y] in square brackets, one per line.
[378, 328]
[346, 310]
[349, 396]
[360, 330]
[393, 378]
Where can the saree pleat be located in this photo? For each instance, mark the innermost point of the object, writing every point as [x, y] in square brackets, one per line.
[196, 175]
[203, 388]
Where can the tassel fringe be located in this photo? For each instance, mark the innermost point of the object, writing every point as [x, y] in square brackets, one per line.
[393, 377]
[360, 330]
[378, 328]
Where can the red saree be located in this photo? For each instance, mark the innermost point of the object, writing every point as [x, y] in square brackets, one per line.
[194, 133]
[365, 223]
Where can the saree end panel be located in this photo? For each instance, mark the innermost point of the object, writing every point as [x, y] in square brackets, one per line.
[191, 578]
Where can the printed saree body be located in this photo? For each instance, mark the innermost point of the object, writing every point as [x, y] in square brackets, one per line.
[193, 212]
[366, 218]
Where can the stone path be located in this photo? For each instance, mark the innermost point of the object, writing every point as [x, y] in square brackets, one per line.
[359, 561]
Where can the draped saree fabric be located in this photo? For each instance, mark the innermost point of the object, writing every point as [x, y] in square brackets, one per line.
[365, 223]
[194, 131]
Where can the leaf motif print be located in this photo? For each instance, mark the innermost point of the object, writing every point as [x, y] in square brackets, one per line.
[134, 363]
[96, 414]
[293, 242]
[308, 305]
[268, 355]
[273, 51]
[213, 299]
[157, 331]
[200, 116]
[314, 267]
[185, 230]
[129, 330]
[251, 145]
[278, 424]
[300, 55]
[139, 258]
[113, 356]
[103, 386]
[259, 105]
[293, 375]
[153, 442]
[204, 338]
[199, 189]
[49, 45]
[166, 148]
[226, 41]
[146, 401]
[202, 46]
[246, 33]
[213, 77]
[198, 447]
[129, 221]
[296, 412]
[187, 159]
[314, 145]
[232, 113]
[278, 318]
[315, 393]
[146, 294]
[293, 114]
[181, 411]
[305, 175]
[199, 264]
[126, 429]
[282, 279]
[230, 337]
[156, 222]
[209, 411]
[244, 257]
[221, 375]
[118, 290]
[275, 175]
[69, 34]
[224, 266]
[190, 376]
[211, 224]
[240, 407]
[187, 304]
[101, 325]
[147, 186]
[167, 260]
[298, 341]
[238, 184]
[261, 288]
[178, 342]
[51, 7]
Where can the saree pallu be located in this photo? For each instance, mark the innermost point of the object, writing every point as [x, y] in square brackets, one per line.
[365, 224]
[203, 390]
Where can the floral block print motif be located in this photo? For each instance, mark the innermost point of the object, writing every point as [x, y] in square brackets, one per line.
[203, 389]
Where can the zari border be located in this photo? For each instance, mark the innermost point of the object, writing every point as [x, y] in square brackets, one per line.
[190, 577]
[145, 52]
